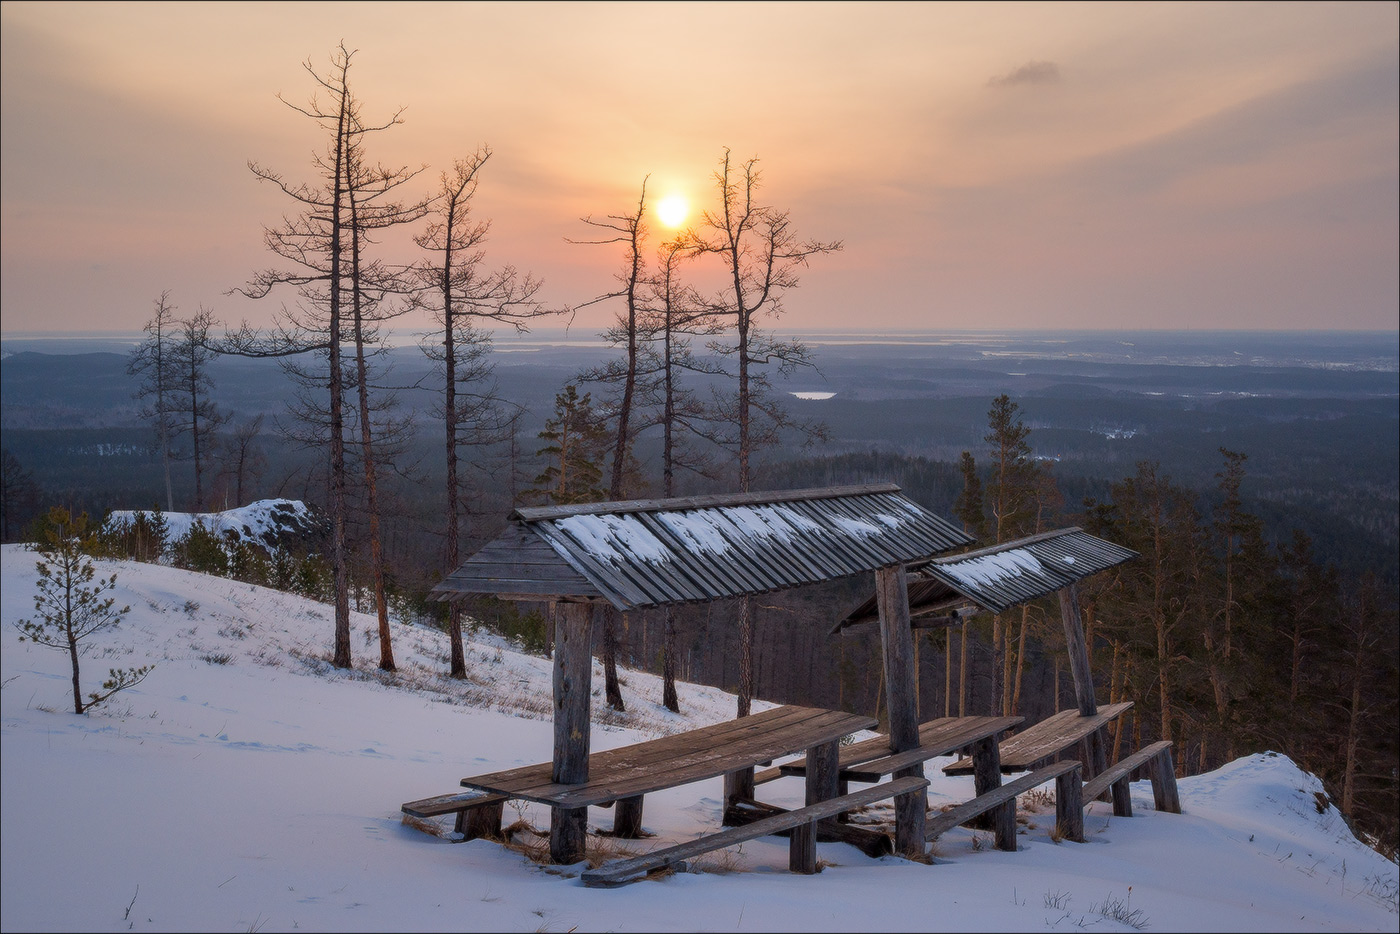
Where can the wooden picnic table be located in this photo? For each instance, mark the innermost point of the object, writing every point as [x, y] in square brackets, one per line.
[626, 774]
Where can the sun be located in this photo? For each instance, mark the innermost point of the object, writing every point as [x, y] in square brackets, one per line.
[672, 210]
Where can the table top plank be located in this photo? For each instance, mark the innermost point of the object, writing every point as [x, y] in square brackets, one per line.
[1045, 739]
[680, 758]
[936, 738]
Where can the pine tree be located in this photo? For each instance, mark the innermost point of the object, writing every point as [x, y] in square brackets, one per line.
[577, 445]
[70, 604]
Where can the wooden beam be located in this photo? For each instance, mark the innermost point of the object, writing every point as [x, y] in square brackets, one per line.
[680, 503]
[1078, 651]
[902, 701]
[573, 675]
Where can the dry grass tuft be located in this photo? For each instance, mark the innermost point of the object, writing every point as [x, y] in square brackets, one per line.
[427, 826]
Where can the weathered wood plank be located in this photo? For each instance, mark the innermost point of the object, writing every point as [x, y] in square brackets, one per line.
[620, 872]
[662, 749]
[870, 842]
[536, 513]
[949, 736]
[936, 738]
[1046, 739]
[678, 759]
[1117, 777]
[425, 808]
[1003, 796]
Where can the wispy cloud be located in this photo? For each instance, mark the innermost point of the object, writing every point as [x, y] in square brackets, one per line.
[1029, 73]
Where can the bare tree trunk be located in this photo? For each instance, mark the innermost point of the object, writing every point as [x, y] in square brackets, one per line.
[998, 650]
[613, 690]
[746, 685]
[962, 674]
[948, 674]
[381, 603]
[669, 697]
[339, 560]
[1020, 662]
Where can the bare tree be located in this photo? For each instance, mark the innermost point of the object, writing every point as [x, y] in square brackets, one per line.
[314, 243]
[245, 461]
[196, 414]
[153, 362]
[464, 296]
[761, 256]
[621, 374]
[676, 314]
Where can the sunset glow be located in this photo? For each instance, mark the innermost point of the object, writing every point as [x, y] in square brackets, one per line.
[672, 210]
[1222, 165]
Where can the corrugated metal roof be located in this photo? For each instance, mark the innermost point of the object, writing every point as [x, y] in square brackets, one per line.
[643, 553]
[1006, 575]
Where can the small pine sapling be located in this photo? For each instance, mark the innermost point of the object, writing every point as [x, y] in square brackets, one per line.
[69, 602]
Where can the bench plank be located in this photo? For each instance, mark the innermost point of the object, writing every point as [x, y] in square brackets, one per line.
[446, 804]
[936, 738]
[485, 812]
[1001, 796]
[1166, 800]
[1046, 739]
[620, 872]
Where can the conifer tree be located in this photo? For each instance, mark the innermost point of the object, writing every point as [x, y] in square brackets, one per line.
[577, 445]
[69, 602]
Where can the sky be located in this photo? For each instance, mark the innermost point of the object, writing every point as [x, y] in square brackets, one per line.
[245, 785]
[1007, 165]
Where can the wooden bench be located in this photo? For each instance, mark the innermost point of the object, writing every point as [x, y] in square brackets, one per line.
[1158, 760]
[802, 853]
[478, 813]
[1049, 738]
[1001, 801]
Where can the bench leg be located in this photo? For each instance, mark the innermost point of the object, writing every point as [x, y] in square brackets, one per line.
[910, 816]
[737, 786]
[823, 782]
[802, 848]
[627, 818]
[1163, 774]
[1069, 806]
[481, 821]
[1004, 825]
[986, 776]
[1122, 799]
[568, 834]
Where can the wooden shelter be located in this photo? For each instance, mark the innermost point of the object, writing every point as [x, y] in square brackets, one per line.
[653, 553]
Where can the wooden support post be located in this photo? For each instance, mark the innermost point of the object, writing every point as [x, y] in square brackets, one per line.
[627, 818]
[1078, 652]
[1069, 806]
[573, 677]
[902, 702]
[822, 783]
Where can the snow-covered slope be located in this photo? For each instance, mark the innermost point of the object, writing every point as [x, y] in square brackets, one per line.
[246, 785]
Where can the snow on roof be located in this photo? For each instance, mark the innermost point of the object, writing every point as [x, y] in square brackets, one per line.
[656, 552]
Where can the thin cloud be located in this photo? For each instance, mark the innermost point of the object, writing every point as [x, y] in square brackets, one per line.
[1029, 73]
